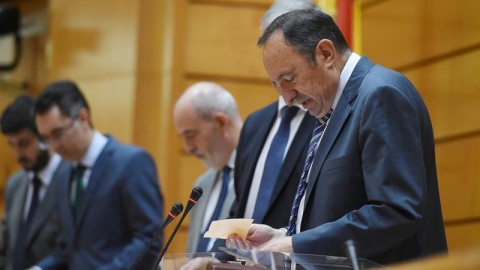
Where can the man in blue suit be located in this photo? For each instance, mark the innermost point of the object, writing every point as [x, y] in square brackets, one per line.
[370, 173]
[110, 204]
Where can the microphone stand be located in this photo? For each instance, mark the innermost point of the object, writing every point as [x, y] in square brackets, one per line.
[177, 208]
[192, 201]
[351, 252]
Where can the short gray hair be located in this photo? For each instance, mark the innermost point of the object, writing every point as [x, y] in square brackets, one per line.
[209, 98]
[281, 7]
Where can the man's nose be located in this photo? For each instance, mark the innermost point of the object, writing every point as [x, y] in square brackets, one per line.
[288, 93]
[189, 147]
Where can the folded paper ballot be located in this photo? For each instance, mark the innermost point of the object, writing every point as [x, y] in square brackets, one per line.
[223, 228]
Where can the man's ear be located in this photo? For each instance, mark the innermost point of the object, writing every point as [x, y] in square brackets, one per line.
[220, 121]
[83, 115]
[325, 53]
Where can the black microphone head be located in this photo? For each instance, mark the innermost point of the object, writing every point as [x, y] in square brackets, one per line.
[197, 192]
[177, 208]
[194, 196]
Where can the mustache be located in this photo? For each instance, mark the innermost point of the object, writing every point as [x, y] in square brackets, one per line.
[196, 152]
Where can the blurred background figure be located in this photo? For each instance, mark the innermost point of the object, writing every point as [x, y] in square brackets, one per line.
[206, 118]
[112, 206]
[29, 230]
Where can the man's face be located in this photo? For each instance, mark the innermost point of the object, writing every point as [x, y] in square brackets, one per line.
[62, 133]
[26, 149]
[295, 78]
[199, 137]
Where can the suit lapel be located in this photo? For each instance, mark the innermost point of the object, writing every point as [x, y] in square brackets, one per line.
[340, 115]
[99, 170]
[18, 204]
[47, 207]
[64, 194]
[299, 144]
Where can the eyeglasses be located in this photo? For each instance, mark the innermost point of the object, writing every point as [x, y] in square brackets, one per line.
[58, 132]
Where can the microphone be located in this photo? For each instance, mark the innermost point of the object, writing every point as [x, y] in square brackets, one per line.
[351, 252]
[177, 208]
[192, 201]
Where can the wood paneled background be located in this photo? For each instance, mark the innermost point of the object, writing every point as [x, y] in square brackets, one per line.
[134, 58]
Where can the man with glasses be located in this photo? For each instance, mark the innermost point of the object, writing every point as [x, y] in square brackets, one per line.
[111, 205]
[29, 230]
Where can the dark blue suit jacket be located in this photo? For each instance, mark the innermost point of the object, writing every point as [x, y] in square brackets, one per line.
[252, 139]
[374, 178]
[120, 212]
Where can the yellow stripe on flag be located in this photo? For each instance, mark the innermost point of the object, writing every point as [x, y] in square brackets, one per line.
[328, 6]
[357, 27]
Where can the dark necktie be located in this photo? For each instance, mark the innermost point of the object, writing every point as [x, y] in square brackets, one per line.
[273, 163]
[79, 190]
[19, 262]
[203, 242]
[302, 185]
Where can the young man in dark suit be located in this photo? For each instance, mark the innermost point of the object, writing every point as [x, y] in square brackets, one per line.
[110, 205]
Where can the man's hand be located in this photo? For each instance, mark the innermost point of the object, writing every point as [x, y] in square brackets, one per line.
[262, 237]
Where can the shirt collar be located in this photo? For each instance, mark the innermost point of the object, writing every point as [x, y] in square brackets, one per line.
[231, 160]
[345, 76]
[94, 149]
[47, 173]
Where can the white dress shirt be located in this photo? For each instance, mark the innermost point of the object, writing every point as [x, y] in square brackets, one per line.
[257, 177]
[215, 194]
[93, 152]
[344, 77]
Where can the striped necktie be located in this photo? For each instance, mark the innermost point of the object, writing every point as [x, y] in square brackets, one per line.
[302, 186]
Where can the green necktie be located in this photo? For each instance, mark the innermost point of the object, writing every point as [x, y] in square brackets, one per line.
[79, 191]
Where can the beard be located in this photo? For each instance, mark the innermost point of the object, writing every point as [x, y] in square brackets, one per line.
[41, 161]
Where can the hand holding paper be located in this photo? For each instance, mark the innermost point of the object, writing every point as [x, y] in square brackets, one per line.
[223, 228]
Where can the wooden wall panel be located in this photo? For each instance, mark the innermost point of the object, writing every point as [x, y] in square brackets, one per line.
[463, 236]
[436, 44]
[92, 39]
[451, 90]
[95, 44]
[111, 102]
[234, 2]
[221, 41]
[458, 176]
[398, 33]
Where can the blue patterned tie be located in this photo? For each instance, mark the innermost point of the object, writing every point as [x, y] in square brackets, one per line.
[203, 242]
[273, 163]
[302, 186]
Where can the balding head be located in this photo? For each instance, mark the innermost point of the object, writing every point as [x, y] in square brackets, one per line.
[206, 118]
